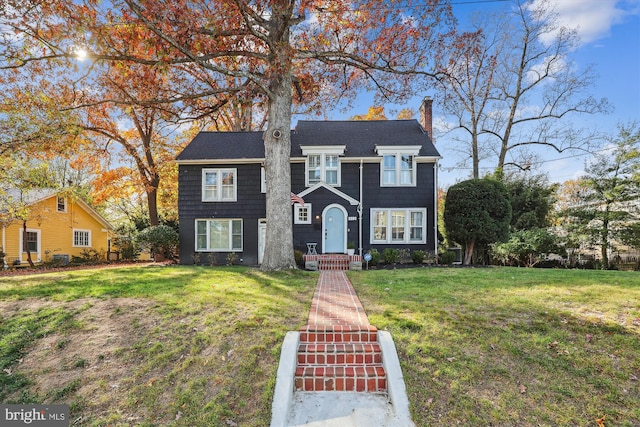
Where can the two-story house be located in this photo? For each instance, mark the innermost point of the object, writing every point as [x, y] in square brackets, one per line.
[366, 184]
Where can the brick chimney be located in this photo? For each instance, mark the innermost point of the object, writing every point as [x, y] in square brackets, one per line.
[426, 119]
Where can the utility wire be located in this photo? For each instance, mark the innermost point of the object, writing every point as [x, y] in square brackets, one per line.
[453, 3]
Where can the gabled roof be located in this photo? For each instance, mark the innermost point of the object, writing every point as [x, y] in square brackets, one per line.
[34, 196]
[360, 138]
[334, 190]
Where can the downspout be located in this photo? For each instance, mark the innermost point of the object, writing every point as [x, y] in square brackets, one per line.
[435, 211]
[360, 214]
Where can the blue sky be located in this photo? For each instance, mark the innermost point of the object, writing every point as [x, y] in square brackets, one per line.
[610, 41]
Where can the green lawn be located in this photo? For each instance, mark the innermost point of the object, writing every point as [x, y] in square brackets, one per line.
[181, 346]
[195, 346]
[512, 347]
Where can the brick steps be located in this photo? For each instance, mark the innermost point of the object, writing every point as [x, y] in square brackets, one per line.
[339, 354]
[338, 334]
[340, 358]
[370, 379]
[325, 262]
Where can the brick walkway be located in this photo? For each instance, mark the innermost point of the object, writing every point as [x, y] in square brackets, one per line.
[335, 302]
[338, 348]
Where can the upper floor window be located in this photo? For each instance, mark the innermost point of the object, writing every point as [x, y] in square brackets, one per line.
[398, 166]
[62, 204]
[323, 164]
[219, 185]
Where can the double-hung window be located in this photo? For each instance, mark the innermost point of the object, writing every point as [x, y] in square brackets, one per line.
[218, 235]
[61, 204]
[30, 243]
[323, 164]
[400, 226]
[219, 185]
[398, 165]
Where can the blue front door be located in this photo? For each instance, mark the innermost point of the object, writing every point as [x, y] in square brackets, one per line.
[334, 230]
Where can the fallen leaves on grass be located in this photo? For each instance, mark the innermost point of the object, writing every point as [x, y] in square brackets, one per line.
[523, 388]
[601, 421]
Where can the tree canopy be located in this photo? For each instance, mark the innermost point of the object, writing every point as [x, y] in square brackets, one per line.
[311, 52]
[515, 88]
[477, 212]
[532, 200]
[608, 195]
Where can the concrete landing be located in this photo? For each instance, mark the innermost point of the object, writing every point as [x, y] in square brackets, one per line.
[340, 409]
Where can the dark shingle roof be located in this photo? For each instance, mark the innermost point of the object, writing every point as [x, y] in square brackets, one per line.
[224, 145]
[360, 137]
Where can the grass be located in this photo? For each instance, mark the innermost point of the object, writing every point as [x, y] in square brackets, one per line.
[147, 346]
[186, 346]
[506, 347]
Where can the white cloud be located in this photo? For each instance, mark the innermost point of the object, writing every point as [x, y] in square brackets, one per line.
[593, 19]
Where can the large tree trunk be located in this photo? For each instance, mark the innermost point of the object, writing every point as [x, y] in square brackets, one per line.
[278, 251]
[152, 202]
[468, 252]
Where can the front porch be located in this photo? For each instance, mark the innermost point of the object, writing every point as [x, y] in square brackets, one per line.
[332, 262]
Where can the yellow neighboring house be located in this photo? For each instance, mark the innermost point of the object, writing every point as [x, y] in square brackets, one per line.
[58, 227]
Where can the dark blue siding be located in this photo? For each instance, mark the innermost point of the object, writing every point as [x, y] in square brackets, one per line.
[250, 206]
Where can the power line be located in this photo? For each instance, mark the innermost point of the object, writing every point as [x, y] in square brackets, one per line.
[453, 3]
[539, 162]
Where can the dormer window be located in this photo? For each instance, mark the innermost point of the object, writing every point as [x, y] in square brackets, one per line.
[398, 165]
[323, 164]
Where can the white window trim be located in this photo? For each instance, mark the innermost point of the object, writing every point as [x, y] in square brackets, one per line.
[73, 238]
[263, 180]
[64, 209]
[407, 226]
[229, 249]
[296, 213]
[323, 152]
[398, 170]
[20, 242]
[398, 151]
[218, 197]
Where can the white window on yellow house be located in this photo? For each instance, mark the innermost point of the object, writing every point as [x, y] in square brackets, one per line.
[30, 243]
[62, 204]
[82, 238]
